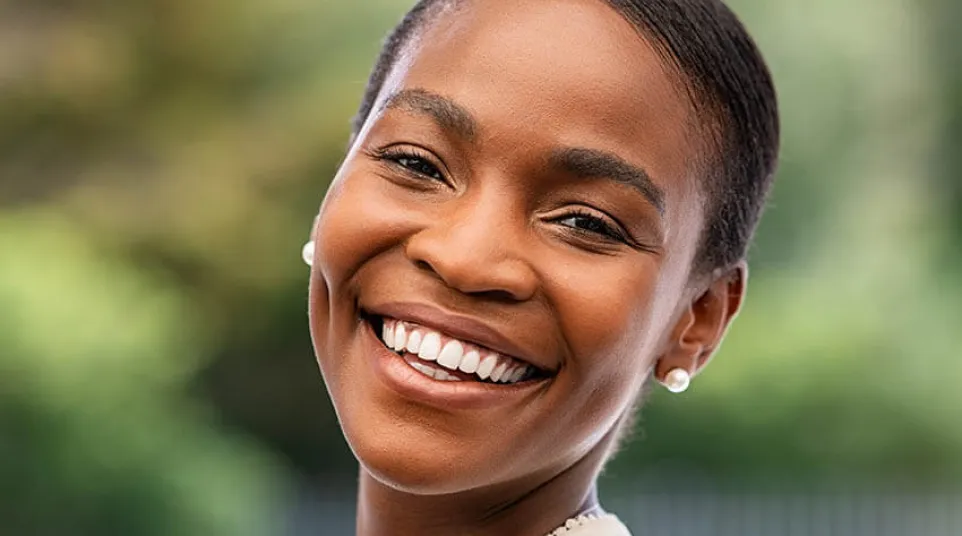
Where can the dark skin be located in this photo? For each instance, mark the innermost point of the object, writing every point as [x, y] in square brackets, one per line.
[543, 183]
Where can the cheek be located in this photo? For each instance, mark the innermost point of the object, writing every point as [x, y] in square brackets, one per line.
[355, 223]
[609, 316]
[358, 220]
[615, 319]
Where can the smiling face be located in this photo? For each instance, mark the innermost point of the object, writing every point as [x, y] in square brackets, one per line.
[525, 192]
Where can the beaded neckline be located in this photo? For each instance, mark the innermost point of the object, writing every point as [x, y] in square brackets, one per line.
[576, 523]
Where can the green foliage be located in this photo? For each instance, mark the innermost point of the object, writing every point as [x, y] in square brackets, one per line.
[98, 435]
[847, 395]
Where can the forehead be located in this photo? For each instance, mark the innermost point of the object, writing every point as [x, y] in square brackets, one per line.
[540, 73]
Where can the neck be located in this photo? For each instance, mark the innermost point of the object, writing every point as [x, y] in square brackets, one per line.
[533, 506]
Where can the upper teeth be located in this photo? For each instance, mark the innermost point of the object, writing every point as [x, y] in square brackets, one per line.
[450, 353]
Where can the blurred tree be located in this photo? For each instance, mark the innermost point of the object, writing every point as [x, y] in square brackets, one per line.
[198, 136]
[98, 435]
[944, 17]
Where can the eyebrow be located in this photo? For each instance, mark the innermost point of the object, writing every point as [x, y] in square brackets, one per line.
[592, 163]
[447, 113]
[582, 162]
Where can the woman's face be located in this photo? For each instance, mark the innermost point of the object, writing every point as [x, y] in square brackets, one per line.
[522, 195]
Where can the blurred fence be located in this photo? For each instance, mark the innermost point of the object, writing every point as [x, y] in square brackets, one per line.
[791, 515]
[700, 513]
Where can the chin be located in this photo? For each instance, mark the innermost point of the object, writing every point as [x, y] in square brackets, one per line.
[408, 457]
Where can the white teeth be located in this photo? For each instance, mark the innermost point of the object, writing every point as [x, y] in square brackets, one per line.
[446, 377]
[454, 355]
[400, 337]
[450, 356]
[487, 366]
[430, 346]
[387, 333]
[422, 368]
[414, 342]
[470, 361]
[434, 372]
[498, 372]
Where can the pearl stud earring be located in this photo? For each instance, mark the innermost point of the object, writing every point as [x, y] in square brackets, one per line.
[307, 253]
[677, 380]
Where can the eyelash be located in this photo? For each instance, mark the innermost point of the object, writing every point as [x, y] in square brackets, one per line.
[597, 226]
[397, 157]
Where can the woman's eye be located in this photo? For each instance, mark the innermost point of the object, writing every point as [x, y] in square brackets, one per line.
[587, 223]
[418, 165]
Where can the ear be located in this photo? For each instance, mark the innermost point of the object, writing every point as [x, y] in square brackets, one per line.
[702, 324]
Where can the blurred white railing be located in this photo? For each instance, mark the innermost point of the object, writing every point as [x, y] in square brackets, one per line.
[790, 515]
[721, 514]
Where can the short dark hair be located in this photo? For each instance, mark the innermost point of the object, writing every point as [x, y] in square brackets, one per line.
[727, 82]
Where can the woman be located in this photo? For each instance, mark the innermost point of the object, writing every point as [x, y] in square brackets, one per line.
[545, 207]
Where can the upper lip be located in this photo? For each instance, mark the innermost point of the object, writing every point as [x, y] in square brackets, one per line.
[460, 327]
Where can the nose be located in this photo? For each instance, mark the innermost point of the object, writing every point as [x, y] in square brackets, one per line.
[475, 249]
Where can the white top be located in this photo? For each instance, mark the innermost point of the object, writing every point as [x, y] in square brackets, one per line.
[592, 525]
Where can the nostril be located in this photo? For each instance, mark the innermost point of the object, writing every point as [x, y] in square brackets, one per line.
[490, 271]
[497, 295]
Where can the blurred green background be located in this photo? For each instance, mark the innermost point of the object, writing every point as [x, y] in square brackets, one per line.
[160, 165]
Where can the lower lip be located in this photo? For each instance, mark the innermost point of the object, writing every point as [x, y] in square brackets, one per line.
[400, 377]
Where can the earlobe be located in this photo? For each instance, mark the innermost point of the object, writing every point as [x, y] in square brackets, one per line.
[701, 327]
